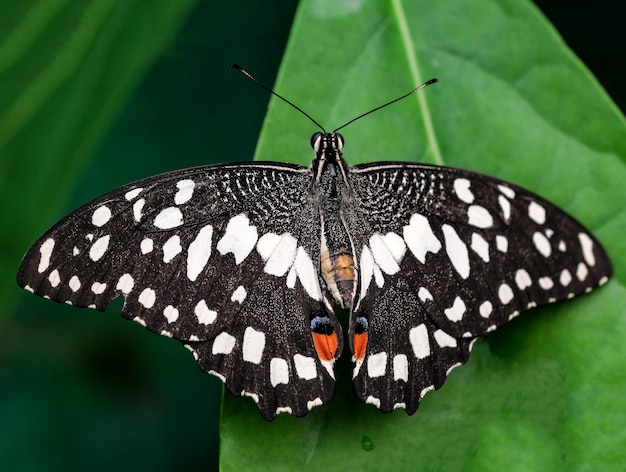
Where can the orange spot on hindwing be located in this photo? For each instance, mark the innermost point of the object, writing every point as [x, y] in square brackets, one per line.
[359, 342]
[324, 338]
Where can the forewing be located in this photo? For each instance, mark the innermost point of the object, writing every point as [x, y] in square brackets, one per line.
[464, 253]
[222, 258]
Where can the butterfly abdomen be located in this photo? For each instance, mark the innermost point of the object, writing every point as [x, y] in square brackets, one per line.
[339, 272]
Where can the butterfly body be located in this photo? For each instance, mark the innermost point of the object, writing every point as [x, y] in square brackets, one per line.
[244, 264]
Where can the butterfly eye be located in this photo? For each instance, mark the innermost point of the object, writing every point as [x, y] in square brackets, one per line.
[315, 141]
[339, 141]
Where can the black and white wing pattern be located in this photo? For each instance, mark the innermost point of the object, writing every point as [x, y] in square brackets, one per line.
[445, 256]
[222, 258]
[244, 263]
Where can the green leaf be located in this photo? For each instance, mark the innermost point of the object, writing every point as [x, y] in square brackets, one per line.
[513, 102]
[66, 69]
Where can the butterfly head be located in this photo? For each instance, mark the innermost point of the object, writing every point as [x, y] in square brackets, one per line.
[327, 146]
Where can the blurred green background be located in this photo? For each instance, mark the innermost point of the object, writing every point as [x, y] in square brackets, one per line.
[83, 390]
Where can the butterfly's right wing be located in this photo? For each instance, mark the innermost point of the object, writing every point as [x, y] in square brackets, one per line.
[223, 258]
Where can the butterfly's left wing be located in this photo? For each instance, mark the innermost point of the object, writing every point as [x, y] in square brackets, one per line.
[222, 258]
[444, 256]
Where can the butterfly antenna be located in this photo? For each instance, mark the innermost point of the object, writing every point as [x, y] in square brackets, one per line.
[424, 85]
[247, 74]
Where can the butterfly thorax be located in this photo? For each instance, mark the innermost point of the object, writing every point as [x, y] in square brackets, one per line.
[332, 186]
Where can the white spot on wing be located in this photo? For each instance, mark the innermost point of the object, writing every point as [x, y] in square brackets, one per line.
[507, 191]
[266, 244]
[279, 371]
[480, 246]
[537, 213]
[99, 247]
[565, 278]
[147, 297]
[419, 341]
[505, 206]
[505, 294]
[239, 295]
[456, 311]
[240, 238]
[371, 400]
[305, 367]
[101, 216]
[185, 191]
[367, 270]
[125, 284]
[424, 295]
[138, 209]
[218, 375]
[400, 368]
[146, 246]
[383, 256]
[54, 278]
[522, 279]
[168, 218]
[542, 244]
[377, 364]
[420, 238]
[479, 216]
[279, 252]
[313, 403]
[581, 271]
[462, 189]
[170, 313]
[253, 345]
[546, 283]
[98, 288]
[502, 243]
[444, 339]
[378, 277]
[457, 251]
[223, 343]
[586, 243]
[171, 248]
[132, 194]
[199, 252]
[291, 277]
[46, 251]
[307, 274]
[485, 309]
[204, 315]
[396, 245]
[74, 283]
[252, 395]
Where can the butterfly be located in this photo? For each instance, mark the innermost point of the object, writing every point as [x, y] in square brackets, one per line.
[247, 265]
